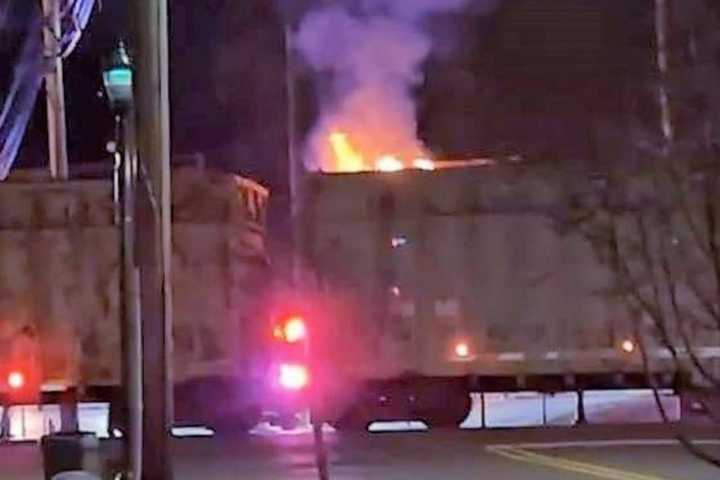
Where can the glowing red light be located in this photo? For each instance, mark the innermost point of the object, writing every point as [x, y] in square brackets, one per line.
[278, 333]
[462, 350]
[295, 330]
[294, 376]
[16, 380]
[628, 346]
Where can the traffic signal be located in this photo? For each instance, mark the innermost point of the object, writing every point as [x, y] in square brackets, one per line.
[292, 336]
[293, 376]
[291, 329]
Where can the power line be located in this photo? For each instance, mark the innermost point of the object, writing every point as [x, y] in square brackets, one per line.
[20, 101]
[29, 70]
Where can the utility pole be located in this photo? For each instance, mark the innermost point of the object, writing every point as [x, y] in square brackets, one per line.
[57, 144]
[291, 92]
[295, 170]
[298, 219]
[662, 25]
[118, 81]
[55, 92]
[149, 20]
[130, 286]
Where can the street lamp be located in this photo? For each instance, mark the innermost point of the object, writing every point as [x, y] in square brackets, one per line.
[118, 82]
[118, 79]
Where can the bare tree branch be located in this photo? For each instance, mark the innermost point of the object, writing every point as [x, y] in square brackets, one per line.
[655, 225]
[681, 200]
[679, 319]
[703, 300]
[679, 436]
[710, 220]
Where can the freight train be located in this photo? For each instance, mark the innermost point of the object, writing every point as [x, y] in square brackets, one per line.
[414, 289]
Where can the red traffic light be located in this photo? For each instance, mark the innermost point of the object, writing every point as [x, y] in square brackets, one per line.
[292, 330]
[295, 329]
[293, 376]
[462, 350]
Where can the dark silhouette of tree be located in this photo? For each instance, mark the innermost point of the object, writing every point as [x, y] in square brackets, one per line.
[654, 222]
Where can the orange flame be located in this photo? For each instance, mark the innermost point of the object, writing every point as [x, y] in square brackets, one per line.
[389, 163]
[348, 158]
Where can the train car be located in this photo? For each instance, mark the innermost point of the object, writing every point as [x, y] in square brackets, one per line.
[59, 293]
[436, 284]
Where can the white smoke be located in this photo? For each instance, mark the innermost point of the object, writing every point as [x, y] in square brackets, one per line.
[373, 52]
[414, 9]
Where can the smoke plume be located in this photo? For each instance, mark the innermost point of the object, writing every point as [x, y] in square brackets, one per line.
[372, 52]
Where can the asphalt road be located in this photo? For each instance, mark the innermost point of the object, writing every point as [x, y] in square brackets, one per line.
[497, 453]
[437, 455]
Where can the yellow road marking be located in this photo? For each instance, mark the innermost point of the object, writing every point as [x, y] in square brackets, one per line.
[557, 463]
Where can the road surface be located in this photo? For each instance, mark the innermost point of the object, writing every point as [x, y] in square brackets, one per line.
[598, 451]
[439, 455]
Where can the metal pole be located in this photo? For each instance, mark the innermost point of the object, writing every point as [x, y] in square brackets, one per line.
[69, 411]
[581, 417]
[118, 178]
[317, 422]
[130, 291]
[57, 142]
[662, 57]
[295, 170]
[291, 117]
[5, 422]
[55, 93]
[150, 41]
[483, 420]
[320, 452]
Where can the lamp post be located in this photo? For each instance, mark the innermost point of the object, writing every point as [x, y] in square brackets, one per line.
[118, 77]
[118, 80]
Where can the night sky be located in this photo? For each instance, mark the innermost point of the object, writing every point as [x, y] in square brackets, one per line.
[549, 80]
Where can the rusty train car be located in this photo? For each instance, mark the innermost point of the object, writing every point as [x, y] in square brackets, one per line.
[59, 273]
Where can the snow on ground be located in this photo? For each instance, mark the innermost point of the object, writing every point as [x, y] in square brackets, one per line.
[501, 410]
